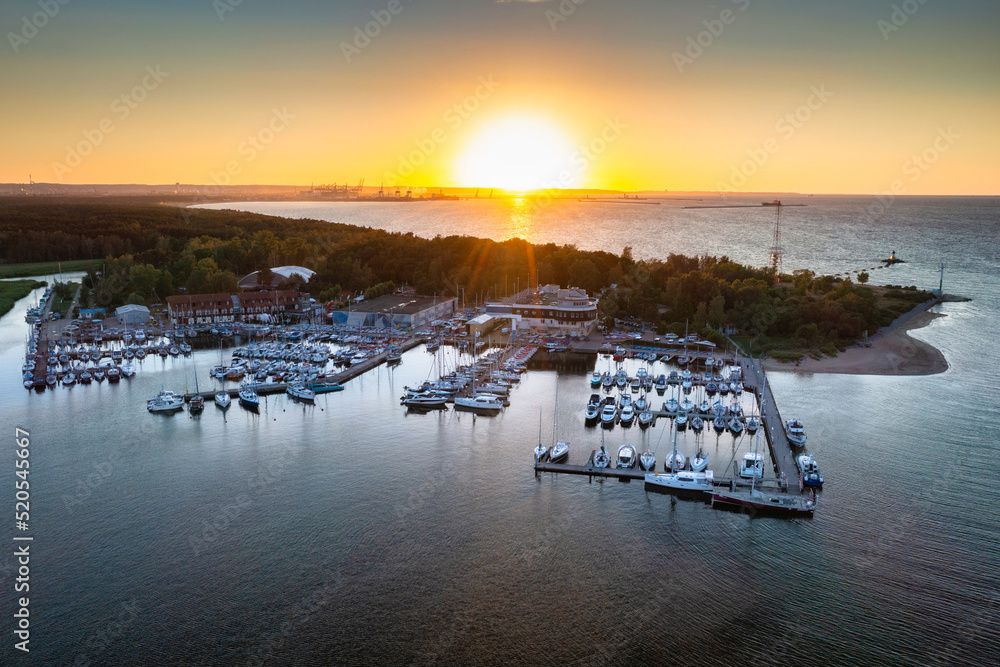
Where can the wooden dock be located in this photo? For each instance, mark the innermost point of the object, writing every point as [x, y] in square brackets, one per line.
[782, 453]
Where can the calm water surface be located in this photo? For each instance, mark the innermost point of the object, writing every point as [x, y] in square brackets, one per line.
[353, 532]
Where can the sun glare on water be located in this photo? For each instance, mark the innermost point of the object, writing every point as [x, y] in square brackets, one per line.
[518, 154]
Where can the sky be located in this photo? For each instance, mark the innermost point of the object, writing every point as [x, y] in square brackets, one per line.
[855, 96]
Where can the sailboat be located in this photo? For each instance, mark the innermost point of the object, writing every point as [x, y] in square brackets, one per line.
[541, 450]
[560, 450]
[601, 458]
[197, 403]
[249, 398]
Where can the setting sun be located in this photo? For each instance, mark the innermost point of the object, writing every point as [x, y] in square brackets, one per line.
[519, 153]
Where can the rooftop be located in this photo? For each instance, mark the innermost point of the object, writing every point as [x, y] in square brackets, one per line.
[398, 304]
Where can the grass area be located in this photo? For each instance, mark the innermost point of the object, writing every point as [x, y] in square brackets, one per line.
[62, 305]
[14, 290]
[44, 268]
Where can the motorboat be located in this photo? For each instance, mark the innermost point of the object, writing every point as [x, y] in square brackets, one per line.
[660, 384]
[394, 357]
[128, 370]
[647, 461]
[609, 414]
[595, 379]
[752, 466]
[427, 400]
[635, 384]
[483, 404]
[197, 404]
[681, 421]
[301, 392]
[699, 461]
[673, 378]
[703, 482]
[755, 499]
[627, 415]
[810, 470]
[324, 387]
[114, 374]
[249, 398]
[223, 400]
[165, 401]
[601, 458]
[796, 432]
[626, 457]
[593, 411]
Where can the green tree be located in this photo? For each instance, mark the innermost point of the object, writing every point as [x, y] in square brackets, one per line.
[863, 277]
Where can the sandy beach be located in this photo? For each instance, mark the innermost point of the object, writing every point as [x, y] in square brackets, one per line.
[892, 352]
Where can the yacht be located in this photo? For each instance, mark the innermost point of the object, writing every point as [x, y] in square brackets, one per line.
[540, 452]
[301, 392]
[593, 411]
[796, 432]
[645, 418]
[197, 404]
[165, 401]
[697, 424]
[703, 482]
[626, 457]
[736, 426]
[426, 400]
[69, 380]
[483, 404]
[671, 406]
[647, 461]
[755, 499]
[661, 384]
[222, 399]
[128, 370]
[752, 425]
[394, 357]
[325, 387]
[752, 466]
[601, 458]
[719, 424]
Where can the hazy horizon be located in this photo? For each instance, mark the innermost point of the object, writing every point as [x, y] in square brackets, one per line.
[747, 96]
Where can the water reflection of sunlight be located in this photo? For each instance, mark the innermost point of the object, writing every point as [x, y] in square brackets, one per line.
[521, 220]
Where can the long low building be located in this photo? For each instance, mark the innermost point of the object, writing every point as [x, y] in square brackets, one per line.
[395, 311]
[549, 308]
[219, 308]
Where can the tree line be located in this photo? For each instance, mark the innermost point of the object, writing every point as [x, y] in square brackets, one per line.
[145, 250]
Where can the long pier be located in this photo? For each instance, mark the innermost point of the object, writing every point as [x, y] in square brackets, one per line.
[754, 381]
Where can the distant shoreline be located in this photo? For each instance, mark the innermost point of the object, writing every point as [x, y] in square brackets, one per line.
[892, 352]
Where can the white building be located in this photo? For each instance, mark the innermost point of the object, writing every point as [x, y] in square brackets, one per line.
[550, 308]
[132, 315]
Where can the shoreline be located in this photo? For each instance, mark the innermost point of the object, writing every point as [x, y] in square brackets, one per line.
[892, 351]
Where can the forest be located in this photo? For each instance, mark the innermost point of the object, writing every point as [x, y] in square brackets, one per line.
[143, 250]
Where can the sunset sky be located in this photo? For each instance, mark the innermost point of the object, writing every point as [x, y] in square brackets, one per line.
[809, 96]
